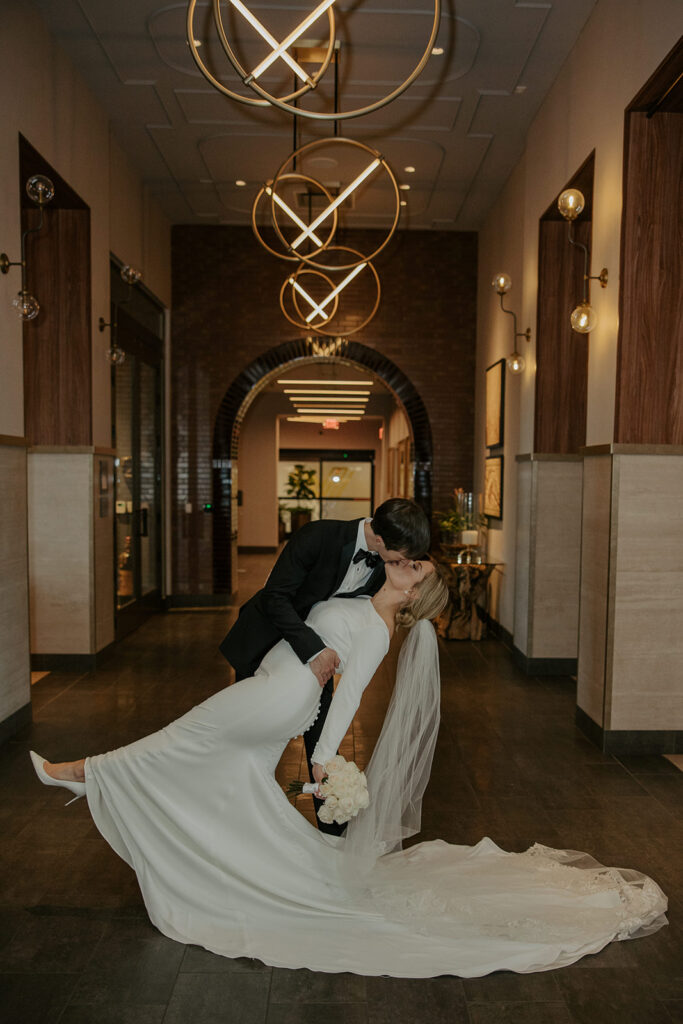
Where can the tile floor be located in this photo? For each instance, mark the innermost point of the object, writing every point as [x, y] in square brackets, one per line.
[76, 946]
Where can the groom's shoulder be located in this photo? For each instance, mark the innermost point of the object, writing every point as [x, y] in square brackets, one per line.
[324, 532]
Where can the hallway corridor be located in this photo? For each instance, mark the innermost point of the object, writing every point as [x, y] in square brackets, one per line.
[75, 943]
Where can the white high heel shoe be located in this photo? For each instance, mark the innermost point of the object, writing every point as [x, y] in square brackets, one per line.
[76, 787]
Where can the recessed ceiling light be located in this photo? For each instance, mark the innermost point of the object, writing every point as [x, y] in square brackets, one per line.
[404, 188]
[403, 202]
[409, 169]
[437, 51]
[240, 183]
[197, 42]
[520, 89]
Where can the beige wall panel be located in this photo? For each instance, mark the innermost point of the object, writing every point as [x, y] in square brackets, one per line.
[523, 567]
[15, 672]
[103, 531]
[647, 633]
[595, 567]
[60, 552]
[258, 454]
[556, 556]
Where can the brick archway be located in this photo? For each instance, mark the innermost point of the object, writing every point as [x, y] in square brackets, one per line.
[251, 381]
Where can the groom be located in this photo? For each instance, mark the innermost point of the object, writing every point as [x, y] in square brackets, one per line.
[324, 559]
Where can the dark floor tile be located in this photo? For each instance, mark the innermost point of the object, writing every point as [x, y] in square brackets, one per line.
[52, 945]
[519, 1013]
[237, 998]
[113, 1014]
[505, 987]
[647, 765]
[38, 999]
[305, 986]
[675, 1010]
[408, 1000]
[133, 963]
[201, 961]
[613, 996]
[317, 1013]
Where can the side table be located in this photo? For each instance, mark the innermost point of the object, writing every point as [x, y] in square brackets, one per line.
[467, 584]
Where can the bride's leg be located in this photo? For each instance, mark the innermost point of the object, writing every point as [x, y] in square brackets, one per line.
[66, 771]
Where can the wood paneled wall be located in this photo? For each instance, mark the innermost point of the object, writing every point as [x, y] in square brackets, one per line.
[57, 344]
[649, 394]
[561, 353]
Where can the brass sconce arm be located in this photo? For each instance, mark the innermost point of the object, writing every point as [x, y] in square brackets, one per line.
[602, 277]
[518, 334]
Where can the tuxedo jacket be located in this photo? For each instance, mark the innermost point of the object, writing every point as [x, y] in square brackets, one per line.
[310, 568]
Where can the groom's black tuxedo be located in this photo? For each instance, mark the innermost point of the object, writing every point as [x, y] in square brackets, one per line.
[310, 569]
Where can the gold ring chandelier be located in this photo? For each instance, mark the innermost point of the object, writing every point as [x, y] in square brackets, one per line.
[280, 51]
[312, 234]
[319, 312]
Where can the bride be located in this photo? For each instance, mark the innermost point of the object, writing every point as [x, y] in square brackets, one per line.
[226, 862]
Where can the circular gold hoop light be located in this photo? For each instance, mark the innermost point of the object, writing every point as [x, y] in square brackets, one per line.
[302, 324]
[267, 100]
[263, 191]
[285, 102]
[310, 258]
[301, 271]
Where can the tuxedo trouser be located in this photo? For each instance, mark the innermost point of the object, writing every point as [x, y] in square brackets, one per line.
[311, 737]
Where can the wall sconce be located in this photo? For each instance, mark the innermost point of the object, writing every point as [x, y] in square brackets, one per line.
[41, 190]
[515, 361]
[116, 355]
[583, 318]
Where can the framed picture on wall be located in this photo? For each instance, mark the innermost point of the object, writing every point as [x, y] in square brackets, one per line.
[495, 404]
[493, 487]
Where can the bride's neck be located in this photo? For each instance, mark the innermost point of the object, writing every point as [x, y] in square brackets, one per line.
[387, 602]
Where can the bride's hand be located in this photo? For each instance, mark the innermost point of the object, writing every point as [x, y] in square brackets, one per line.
[318, 772]
[324, 665]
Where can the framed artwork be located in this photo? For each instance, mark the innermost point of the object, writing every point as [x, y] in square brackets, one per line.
[493, 487]
[495, 404]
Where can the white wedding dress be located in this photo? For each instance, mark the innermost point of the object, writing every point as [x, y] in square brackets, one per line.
[226, 862]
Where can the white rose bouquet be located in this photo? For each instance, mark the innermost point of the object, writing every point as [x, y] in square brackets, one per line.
[344, 790]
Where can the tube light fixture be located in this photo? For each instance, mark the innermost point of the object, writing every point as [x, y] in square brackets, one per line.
[320, 391]
[337, 383]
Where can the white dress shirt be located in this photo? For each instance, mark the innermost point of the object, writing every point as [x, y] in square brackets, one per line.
[359, 573]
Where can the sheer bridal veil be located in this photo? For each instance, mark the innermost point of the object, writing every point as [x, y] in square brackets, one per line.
[401, 763]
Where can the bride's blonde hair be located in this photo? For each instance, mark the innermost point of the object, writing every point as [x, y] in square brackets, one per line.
[432, 598]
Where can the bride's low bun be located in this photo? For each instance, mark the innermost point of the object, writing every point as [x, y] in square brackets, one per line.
[431, 600]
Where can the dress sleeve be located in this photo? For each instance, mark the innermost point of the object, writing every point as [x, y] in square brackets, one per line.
[369, 648]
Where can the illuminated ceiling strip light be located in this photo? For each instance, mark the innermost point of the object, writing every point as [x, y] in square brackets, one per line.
[320, 419]
[301, 399]
[332, 383]
[290, 213]
[316, 308]
[334, 412]
[291, 38]
[271, 40]
[349, 277]
[321, 391]
[340, 199]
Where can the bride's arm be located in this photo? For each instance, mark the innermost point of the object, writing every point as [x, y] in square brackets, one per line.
[369, 648]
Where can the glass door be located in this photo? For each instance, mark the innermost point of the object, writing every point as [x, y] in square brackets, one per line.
[136, 430]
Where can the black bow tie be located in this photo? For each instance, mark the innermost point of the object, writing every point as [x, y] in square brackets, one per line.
[371, 558]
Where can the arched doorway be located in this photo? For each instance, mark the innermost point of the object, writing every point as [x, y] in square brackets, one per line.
[247, 386]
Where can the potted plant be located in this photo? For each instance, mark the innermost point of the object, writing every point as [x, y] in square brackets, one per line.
[301, 485]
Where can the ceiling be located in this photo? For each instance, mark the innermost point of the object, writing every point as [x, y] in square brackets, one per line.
[461, 125]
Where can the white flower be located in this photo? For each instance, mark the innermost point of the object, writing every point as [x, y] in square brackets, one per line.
[335, 764]
[345, 791]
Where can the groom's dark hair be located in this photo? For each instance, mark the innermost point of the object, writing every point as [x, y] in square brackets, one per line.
[403, 526]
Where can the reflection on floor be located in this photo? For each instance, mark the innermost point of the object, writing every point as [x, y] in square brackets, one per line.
[76, 946]
[37, 676]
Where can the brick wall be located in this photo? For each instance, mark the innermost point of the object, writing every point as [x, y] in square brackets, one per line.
[226, 313]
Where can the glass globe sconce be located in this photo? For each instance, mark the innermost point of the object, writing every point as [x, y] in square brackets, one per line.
[40, 190]
[583, 319]
[116, 355]
[502, 283]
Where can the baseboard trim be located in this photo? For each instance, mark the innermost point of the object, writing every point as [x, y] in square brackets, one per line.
[199, 600]
[545, 666]
[63, 662]
[256, 549]
[495, 629]
[15, 722]
[630, 742]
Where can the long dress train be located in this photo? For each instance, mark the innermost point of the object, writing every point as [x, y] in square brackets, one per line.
[226, 862]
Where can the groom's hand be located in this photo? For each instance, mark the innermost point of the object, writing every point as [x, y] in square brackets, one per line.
[324, 665]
